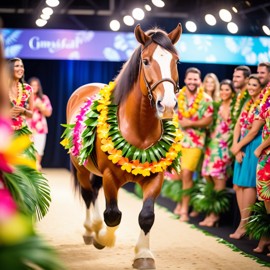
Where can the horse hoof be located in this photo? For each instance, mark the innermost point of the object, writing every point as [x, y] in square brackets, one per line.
[88, 240]
[97, 245]
[144, 263]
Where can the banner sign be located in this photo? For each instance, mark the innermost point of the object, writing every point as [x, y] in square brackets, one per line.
[118, 46]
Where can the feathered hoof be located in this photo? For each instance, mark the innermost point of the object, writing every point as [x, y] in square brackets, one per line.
[97, 245]
[88, 240]
[144, 263]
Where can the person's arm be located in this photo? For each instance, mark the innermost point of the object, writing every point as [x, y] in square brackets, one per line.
[45, 106]
[256, 126]
[201, 123]
[236, 132]
[28, 112]
[261, 147]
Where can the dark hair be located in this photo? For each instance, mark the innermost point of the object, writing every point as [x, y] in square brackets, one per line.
[228, 82]
[11, 63]
[246, 70]
[193, 70]
[265, 64]
[40, 90]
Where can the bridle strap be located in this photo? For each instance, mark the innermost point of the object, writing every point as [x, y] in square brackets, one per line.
[151, 88]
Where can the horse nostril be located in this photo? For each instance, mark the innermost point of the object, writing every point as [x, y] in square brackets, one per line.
[160, 107]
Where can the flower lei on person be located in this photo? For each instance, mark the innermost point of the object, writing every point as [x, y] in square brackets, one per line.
[265, 101]
[102, 117]
[250, 107]
[194, 106]
[21, 94]
[240, 101]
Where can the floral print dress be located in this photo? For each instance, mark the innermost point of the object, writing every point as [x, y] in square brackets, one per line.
[263, 167]
[218, 158]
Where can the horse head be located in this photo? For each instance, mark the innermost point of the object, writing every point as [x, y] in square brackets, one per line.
[158, 68]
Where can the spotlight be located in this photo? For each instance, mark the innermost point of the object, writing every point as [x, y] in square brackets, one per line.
[115, 25]
[47, 11]
[235, 10]
[232, 27]
[210, 19]
[191, 26]
[40, 22]
[147, 7]
[158, 3]
[128, 20]
[138, 14]
[45, 17]
[266, 30]
[225, 15]
[52, 3]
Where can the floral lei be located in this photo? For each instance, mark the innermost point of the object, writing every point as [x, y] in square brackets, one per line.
[102, 118]
[265, 99]
[241, 99]
[21, 90]
[195, 105]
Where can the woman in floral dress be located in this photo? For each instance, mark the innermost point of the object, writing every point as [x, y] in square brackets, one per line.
[218, 158]
[21, 100]
[38, 124]
[244, 177]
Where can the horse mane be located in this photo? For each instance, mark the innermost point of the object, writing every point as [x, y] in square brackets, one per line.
[130, 70]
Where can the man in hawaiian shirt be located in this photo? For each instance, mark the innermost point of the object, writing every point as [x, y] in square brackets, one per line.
[195, 114]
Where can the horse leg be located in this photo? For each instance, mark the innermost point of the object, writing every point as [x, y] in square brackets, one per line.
[144, 258]
[112, 215]
[90, 196]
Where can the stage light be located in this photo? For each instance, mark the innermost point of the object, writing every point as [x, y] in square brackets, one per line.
[45, 16]
[235, 10]
[128, 20]
[147, 7]
[232, 27]
[138, 14]
[210, 19]
[158, 3]
[115, 25]
[225, 15]
[266, 30]
[52, 3]
[40, 22]
[191, 26]
[47, 11]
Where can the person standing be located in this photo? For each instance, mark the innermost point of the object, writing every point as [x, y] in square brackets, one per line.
[218, 158]
[38, 124]
[21, 100]
[195, 114]
[211, 86]
[244, 177]
[240, 81]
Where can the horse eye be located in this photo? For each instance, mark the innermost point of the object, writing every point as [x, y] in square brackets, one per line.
[145, 62]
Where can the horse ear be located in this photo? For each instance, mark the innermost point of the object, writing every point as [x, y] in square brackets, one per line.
[140, 35]
[175, 34]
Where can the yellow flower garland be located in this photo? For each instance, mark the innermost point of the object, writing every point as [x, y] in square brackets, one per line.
[115, 155]
[195, 105]
[265, 96]
[18, 100]
[249, 107]
[240, 96]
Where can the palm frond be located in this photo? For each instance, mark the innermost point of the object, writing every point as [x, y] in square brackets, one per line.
[30, 190]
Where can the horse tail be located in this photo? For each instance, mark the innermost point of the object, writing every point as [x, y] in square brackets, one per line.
[89, 195]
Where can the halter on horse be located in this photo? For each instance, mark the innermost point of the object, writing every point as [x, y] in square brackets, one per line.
[124, 132]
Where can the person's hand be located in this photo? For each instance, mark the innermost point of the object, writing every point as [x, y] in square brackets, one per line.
[185, 123]
[16, 111]
[235, 149]
[258, 151]
[239, 156]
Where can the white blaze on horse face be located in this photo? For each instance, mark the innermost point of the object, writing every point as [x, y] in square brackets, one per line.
[164, 58]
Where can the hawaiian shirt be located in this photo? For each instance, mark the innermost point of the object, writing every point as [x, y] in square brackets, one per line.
[265, 115]
[38, 122]
[195, 137]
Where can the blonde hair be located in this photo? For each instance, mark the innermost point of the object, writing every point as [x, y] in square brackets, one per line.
[216, 91]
